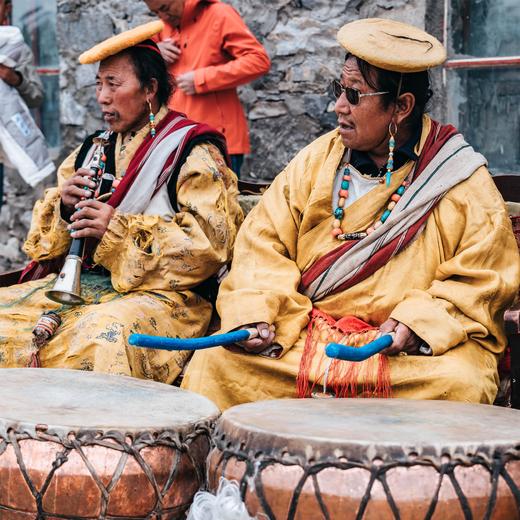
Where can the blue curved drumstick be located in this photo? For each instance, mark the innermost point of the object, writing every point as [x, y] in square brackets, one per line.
[346, 353]
[163, 343]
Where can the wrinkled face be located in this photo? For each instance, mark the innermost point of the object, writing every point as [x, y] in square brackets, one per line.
[122, 99]
[364, 126]
[169, 11]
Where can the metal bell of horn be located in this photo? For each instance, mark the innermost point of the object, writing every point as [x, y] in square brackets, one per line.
[67, 288]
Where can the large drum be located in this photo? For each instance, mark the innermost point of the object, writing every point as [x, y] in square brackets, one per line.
[371, 459]
[78, 445]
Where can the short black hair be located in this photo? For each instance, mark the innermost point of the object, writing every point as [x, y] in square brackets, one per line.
[416, 83]
[149, 64]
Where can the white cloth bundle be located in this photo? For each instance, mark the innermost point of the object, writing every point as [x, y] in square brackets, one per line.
[22, 144]
[225, 505]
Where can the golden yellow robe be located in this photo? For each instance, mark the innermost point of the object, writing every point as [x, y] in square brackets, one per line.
[153, 265]
[450, 285]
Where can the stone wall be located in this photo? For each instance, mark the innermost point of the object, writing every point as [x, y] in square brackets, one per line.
[287, 108]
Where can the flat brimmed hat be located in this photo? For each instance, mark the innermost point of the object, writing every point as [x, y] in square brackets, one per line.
[121, 41]
[392, 45]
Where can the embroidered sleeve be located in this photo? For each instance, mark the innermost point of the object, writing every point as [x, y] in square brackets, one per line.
[147, 252]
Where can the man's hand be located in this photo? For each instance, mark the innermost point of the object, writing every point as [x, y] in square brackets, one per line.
[73, 189]
[256, 345]
[169, 51]
[186, 82]
[91, 219]
[405, 339]
[10, 76]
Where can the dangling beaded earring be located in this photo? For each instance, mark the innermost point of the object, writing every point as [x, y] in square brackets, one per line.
[152, 120]
[391, 146]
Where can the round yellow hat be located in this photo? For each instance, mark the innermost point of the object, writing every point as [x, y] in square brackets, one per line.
[392, 45]
[121, 41]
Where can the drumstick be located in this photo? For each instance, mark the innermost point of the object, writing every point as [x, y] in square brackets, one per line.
[346, 353]
[163, 343]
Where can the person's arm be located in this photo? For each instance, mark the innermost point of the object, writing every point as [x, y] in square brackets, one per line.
[262, 286]
[10, 76]
[147, 252]
[30, 86]
[476, 283]
[249, 59]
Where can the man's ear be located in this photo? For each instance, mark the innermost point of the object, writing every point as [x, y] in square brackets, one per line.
[152, 87]
[404, 106]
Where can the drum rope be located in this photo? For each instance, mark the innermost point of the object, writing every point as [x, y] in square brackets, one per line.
[446, 465]
[321, 503]
[129, 446]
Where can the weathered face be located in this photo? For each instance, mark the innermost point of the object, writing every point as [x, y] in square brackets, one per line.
[122, 99]
[364, 126]
[169, 11]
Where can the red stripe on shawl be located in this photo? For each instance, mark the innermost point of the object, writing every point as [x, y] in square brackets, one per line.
[133, 168]
[381, 257]
[437, 138]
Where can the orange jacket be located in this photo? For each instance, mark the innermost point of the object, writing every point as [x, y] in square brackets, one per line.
[218, 46]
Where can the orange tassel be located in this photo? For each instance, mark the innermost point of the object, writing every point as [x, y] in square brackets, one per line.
[370, 378]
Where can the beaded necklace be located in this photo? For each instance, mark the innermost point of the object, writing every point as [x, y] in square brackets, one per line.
[339, 212]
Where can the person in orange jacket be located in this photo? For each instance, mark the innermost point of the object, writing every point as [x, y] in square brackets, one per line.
[210, 51]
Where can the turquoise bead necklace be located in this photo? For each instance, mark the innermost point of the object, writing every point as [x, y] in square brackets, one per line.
[339, 212]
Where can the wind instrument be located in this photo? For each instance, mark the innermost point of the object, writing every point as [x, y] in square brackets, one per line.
[67, 288]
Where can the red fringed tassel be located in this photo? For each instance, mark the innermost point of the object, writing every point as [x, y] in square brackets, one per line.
[370, 378]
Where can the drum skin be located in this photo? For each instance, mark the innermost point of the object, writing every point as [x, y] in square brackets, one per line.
[80, 445]
[371, 459]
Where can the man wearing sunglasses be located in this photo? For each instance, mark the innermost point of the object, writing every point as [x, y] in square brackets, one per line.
[387, 225]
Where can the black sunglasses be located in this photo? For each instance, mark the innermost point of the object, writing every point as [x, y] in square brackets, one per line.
[353, 95]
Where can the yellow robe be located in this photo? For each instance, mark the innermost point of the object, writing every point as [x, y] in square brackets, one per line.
[450, 286]
[153, 265]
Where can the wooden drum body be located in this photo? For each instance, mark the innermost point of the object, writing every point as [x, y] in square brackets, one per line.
[80, 445]
[371, 459]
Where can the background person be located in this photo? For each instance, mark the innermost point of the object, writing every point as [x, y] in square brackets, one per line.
[22, 144]
[169, 225]
[23, 75]
[210, 52]
[389, 223]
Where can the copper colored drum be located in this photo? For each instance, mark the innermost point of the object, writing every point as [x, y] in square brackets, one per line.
[371, 459]
[78, 445]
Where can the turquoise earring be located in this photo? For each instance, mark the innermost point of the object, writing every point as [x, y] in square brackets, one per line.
[152, 120]
[391, 146]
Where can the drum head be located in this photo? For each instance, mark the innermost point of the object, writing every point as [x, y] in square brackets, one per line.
[363, 429]
[60, 401]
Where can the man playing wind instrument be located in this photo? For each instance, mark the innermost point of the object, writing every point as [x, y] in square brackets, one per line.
[169, 224]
